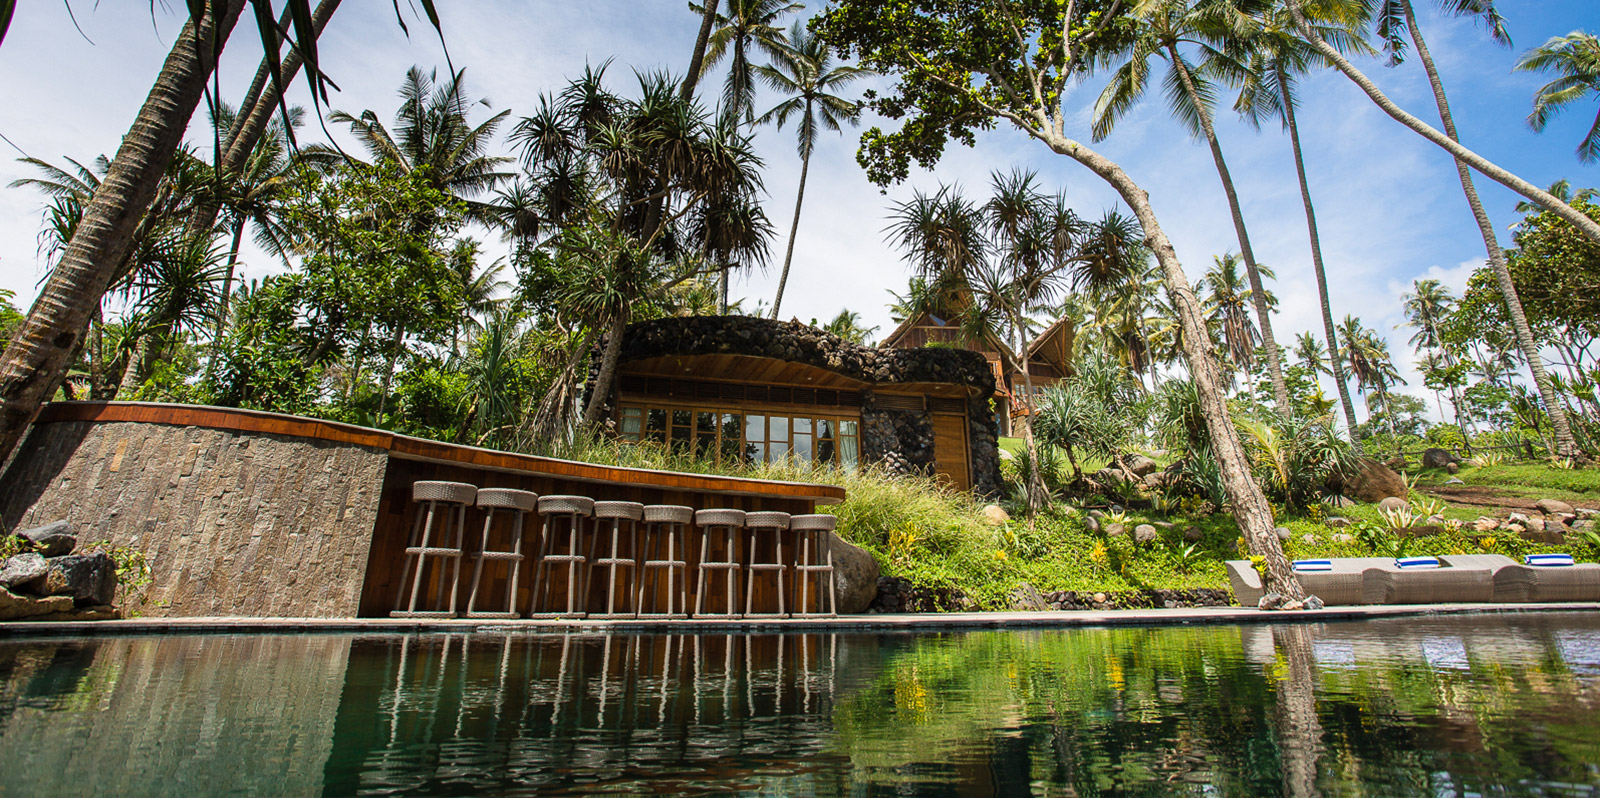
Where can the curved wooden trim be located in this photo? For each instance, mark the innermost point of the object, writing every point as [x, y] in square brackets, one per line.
[408, 448]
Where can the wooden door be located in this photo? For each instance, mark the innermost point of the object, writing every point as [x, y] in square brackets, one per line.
[950, 449]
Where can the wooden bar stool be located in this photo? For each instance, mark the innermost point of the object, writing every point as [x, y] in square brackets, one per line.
[667, 521]
[618, 512]
[760, 525]
[454, 498]
[815, 561]
[575, 511]
[519, 503]
[729, 522]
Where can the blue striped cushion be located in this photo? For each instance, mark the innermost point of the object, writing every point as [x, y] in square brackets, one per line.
[1548, 559]
[1416, 562]
[1313, 565]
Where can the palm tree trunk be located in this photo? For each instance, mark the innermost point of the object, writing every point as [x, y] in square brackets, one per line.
[1250, 507]
[1258, 294]
[1316, 262]
[227, 293]
[133, 373]
[608, 371]
[388, 373]
[1544, 199]
[1038, 496]
[794, 227]
[36, 360]
[1565, 444]
[699, 56]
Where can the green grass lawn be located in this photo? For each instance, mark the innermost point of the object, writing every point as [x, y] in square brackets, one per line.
[1578, 487]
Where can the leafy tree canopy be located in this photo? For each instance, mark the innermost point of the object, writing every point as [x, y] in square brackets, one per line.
[1557, 270]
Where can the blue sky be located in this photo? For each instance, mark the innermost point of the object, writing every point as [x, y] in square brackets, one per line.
[1389, 206]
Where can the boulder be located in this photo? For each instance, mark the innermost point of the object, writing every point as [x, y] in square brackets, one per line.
[1193, 534]
[92, 578]
[1454, 468]
[1552, 507]
[1423, 530]
[14, 607]
[1145, 533]
[1313, 603]
[1114, 529]
[1271, 601]
[1097, 513]
[1338, 501]
[995, 515]
[1091, 523]
[1142, 466]
[52, 540]
[1370, 481]
[1485, 524]
[1392, 503]
[1283, 532]
[1337, 522]
[1397, 462]
[1308, 539]
[1437, 458]
[855, 575]
[1155, 481]
[1027, 598]
[23, 570]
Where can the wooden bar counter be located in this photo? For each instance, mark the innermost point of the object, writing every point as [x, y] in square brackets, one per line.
[242, 512]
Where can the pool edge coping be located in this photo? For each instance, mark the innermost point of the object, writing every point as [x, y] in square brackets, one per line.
[898, 622]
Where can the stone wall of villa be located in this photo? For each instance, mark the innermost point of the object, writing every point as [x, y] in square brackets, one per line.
[232, 523]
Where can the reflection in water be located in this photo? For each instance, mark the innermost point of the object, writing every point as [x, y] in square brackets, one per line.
[1502, 705]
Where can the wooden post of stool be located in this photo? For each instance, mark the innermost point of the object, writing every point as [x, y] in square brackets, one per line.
[816, 543]
[730, 522]
[520, 503]
[575, 510]
[669, 521]
[618, 512]
[456, 495]
[760, 524]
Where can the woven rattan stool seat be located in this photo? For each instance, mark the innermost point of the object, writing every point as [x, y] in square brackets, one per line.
[578, 505]
[451, 492]
[631, 511]
[508, 499]
[719, 517]
[766, 520]
[668, 514]
[822, 522]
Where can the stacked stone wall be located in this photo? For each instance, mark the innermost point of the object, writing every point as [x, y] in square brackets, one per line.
[232, 523]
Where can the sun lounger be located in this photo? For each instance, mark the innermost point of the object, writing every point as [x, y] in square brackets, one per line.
[1516, 582]
[1388, 582]
[1341, 584]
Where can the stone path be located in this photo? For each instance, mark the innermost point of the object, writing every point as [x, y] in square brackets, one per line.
[906, 622]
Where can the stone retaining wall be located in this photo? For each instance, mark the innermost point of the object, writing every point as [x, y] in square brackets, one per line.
[232, 523]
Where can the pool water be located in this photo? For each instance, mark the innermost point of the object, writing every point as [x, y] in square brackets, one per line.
[1499, 705]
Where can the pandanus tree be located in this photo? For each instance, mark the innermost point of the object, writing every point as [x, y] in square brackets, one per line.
[805, 73]
[1396, 22]
[1164, 30]
[1576, 58]
[622, 193]
[1278, 56]
[1019, 249]
[955, 70]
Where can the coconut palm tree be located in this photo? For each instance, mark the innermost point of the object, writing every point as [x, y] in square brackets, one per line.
[1395, 21]
[1586, 226]
[708, 18]
[749, 25]
[1278, 56]
[1427, 307]
[847, 325]
[1213, 27]
[1228, 302]
[1561, 190]
[1576, 57]
[1312, 354]
[806, 75]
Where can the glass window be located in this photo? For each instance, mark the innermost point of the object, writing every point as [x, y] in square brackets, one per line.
[632, 423]
[848, 444]
[655, 426]
[731, 448]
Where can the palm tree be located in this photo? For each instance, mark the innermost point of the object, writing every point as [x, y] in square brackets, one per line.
[177, 292]
[1164, 26]
[1427, 306]
[1312, 354]
[847, 325]
[806, 74]
[1561, 190]
[1228, 302]
[432, 132]
[1576, 57]
[1588, 227]
[1395, 19]
[1277, 57]
[748, 25]
[708, 17]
